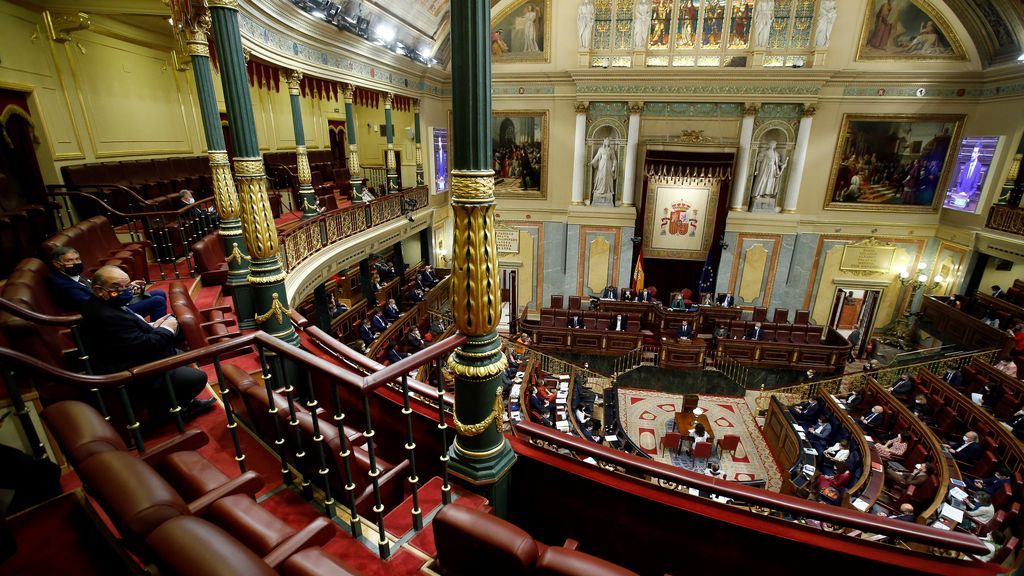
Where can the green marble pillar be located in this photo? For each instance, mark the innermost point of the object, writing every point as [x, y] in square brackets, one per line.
[355, 175]
[265, 272]
[225, 196]
[390, 166]
[306, 195]
[480, 454]
[419, 145]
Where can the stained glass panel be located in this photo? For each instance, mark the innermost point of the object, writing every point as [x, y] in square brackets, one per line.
[602, 25]
[686, 25]
[780, 26]
[661, 23]
[714, 20]
[803, 21]
[739, 25]
[624, 25]
[771, 61]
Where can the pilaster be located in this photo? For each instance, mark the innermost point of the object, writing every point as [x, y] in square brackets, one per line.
[391, 165]
[305, 176]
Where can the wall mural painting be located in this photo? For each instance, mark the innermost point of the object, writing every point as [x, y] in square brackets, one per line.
[907, 30]
[893, 162]
[680, 217]
[519, 141]
[520, 33]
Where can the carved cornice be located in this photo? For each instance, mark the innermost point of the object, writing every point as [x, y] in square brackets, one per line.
[61, 26]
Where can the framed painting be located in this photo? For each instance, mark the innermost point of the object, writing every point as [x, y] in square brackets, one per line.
[969, 177]
[521, 32]
[907, 30]
[892, 162]
[680, 217]
[519, 153]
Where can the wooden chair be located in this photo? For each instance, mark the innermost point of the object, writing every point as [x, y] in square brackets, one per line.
[690, 402]
[728, 443]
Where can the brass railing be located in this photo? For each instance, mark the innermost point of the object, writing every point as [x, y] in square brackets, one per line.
[1006, 219]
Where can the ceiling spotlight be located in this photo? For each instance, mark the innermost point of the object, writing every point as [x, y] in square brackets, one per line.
[317, 14]
[385, 32]
[426, 52]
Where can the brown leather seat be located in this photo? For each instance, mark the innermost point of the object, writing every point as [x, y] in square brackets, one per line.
[81, 431]
[264, 533]
[188, 546]
[468, 539]
[208, 253]
[315, 562]
[200, 327]
[558, 561]
[27, 287]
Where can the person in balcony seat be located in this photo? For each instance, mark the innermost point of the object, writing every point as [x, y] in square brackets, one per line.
[72, 289]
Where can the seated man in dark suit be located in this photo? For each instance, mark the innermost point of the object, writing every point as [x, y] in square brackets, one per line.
[684, 332]
[727, 300]
[755, 333]
[575, 321]
[391, 312]
[414, 340]
[968, 450]
[628, 296]
[644, 295]
[618, 324]
[427, 277]
[953, 377]
[609, 293]
[377, 323]
[416, 295]
[872, 421]
[806, 412]
[385, 269]
[365, 333]
[394, 355]
[820, 432]
[903, 387]
[72, 290]
[118, 339]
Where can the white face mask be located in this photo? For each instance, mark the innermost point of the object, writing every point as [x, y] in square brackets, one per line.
[190, 201]
[966, 440]
[918, 467]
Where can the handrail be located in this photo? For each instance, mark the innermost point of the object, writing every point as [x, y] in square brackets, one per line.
[33, 316]
[52, 190]
[119, 187]
[945, 539]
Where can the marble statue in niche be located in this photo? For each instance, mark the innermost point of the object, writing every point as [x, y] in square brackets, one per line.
[604, 162]
[585, 23]
[827, 12]
[641, 24]
[768, 169]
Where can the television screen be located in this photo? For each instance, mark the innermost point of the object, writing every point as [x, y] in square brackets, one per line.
[969, 174]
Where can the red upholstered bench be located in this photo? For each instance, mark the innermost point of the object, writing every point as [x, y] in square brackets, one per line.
[210, 259]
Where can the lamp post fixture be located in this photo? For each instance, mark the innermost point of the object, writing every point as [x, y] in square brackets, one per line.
[899, 335]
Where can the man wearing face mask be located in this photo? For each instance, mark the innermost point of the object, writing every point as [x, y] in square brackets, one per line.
[118, 339]
[968, 450]
[72, 290]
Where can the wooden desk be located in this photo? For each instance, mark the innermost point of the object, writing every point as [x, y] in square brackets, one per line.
[686, 420]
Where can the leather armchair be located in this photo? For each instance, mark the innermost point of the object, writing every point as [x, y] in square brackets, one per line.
[468, 539]
[558, 561]
[315, 562]
[187, 546]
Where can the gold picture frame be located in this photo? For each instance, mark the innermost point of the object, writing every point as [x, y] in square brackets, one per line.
[518, 129]
[878, 41]
[508, 36]
[892, 162]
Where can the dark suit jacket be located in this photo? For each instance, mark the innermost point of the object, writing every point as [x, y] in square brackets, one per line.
[727, 301]
[969, 454]
[69, 294]
[643, 296]
[955, 378]
[575, 322]
[391, 312]
[608, 293]
[872, 419]
[684, 331]
[377, 324]
[620, 327]
[628, 296]
[117, 339]
[755, 334]
[395, 355]
[365, 334]
[902, 387]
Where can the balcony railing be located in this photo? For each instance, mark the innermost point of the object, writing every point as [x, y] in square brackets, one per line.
[1006, 219]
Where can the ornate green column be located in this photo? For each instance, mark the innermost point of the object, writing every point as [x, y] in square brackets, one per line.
[389, 158]
[265, 272]
[355, 176]
[419, 144]
[480, 454]
[223, 184]
[306, 194]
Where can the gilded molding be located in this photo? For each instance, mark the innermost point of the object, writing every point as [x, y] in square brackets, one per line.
[478, 428]
[277, 310]
[472, 186]
[60, 26]
[809, 111]
[224, 193]
[476, 298]
[197, 41]
[257, 221]
[581, 107]
[264, 280]
[478, 372]
[353, 159]
[750, 110]
[236, 254]
[294, 80]
[349, 93]
[228, 4]
[636, 108]
[389, 100]
[389, 158]
[302, 166]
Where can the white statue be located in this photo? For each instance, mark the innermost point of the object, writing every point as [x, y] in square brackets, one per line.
[764, 14]
[585, 23]
[604, 176]
[641, 24]
[768, 170]
[826, 19]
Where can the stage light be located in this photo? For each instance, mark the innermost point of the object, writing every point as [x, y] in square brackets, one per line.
[385, 33]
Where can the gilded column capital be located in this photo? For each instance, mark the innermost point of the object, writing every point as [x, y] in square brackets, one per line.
[636, 108]
[294, 80]
[750, 110]
[227, 4]
[197, 40]
[809, 111]
[389, 100]
[349, 93]
[416, 106]
[472, 186]
[581, 107]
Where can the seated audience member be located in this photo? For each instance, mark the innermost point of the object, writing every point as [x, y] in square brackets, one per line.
[120, 339]
[819, 433]
[358, 346]
[522, 343]
[994, 540]
[391, 312]
[72, 290]
[545, 410]
[1006, 366]
[594, 304]
[697, 434]
[920, 408]
[581, 415]
[714, 470]
[385, 269]
[548, 395]
[609, 293]
[906, 513]
[905, 478]
[953, 302]
[333, 310]
[968, 450]
[839, 480]
[414, 341]
[377, 323]
[727, 300]
[208, 216]
[989, 319]
[416, 295]
[810, 376]
[684, 332]
[755, 333]
[394, 355]
[997, 292]
[722, 332]
[838, 452]
[644, 295]
[991, 395]
[853, 399]
[575, 321]
[992, 484]
[808, 411]
[903, 387]
[872, 421]
[427, 278]
[628, 295]
[677, 301]
[1017, 424]
[894, 448]
[365, 334]
[618, 324]
[375, 282]
[953, 377]
[979, 509]
[1018, 340]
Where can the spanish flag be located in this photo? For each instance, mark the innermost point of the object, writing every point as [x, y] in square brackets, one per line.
[638, 272]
